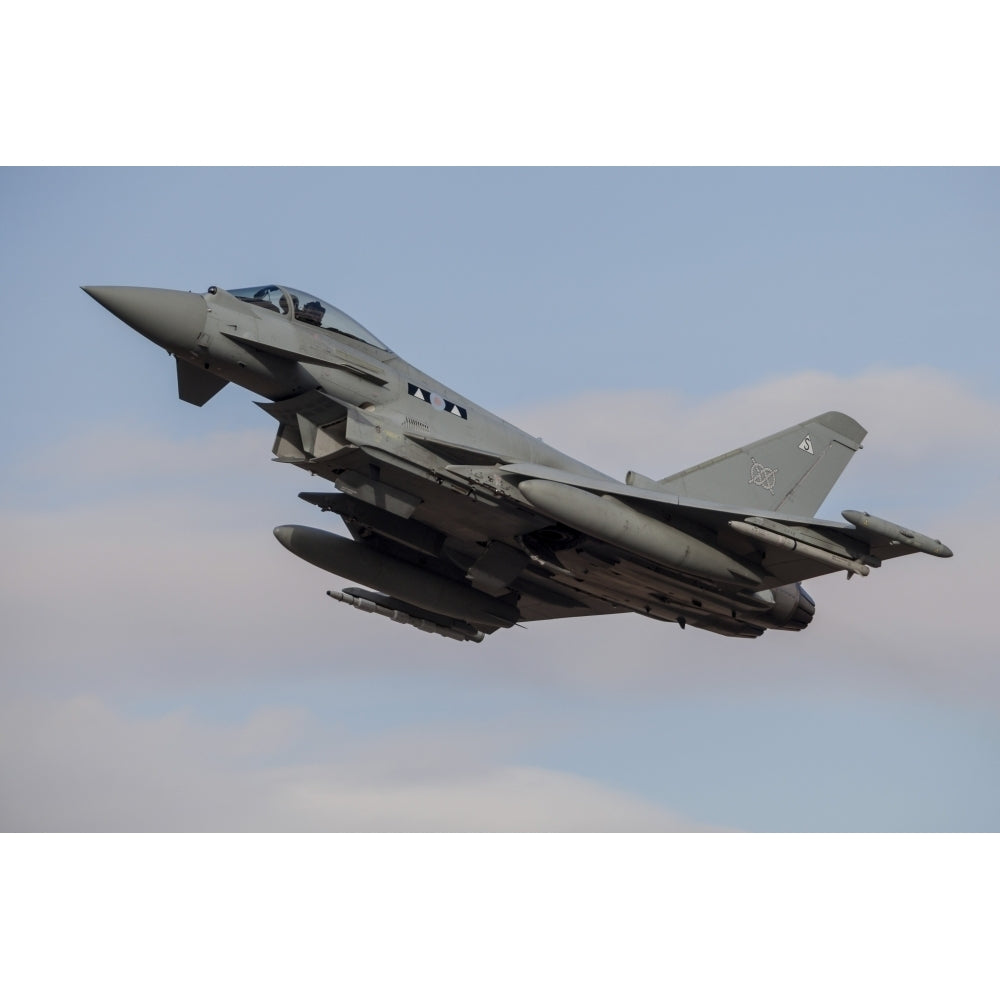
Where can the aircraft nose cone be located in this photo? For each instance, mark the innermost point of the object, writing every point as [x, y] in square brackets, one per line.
[168, 318]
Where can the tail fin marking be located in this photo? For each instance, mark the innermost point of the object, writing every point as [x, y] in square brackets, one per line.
[792, 471]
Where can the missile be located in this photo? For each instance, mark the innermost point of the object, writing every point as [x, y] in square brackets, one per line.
[896, 533]
[379, 604]
[612, 521]
[395, 577]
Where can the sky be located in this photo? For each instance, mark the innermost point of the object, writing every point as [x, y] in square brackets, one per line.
[169, 666]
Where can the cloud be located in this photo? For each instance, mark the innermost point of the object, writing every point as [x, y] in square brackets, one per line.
[99, 452]
[917, 624]
[170, 585]
[165, 585]
[81, 765]
[917, 419]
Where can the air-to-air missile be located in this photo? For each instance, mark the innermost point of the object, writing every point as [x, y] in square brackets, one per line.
[406, 614]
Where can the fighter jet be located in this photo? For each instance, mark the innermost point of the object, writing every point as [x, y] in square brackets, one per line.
[462, 524]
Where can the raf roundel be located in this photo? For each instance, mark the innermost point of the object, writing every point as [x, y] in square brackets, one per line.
[439, 403]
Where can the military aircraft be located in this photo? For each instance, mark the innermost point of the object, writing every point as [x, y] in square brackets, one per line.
[464, 524]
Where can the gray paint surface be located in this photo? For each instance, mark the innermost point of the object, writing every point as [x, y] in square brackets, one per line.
[455, 512]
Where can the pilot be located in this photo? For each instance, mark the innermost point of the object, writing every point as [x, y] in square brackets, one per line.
[311, 312]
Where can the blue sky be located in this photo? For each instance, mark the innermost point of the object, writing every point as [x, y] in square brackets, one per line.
[170, 666]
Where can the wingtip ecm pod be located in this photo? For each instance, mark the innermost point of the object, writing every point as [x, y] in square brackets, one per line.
[879, 528]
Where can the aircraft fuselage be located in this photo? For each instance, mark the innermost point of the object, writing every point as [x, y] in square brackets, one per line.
[469, 524]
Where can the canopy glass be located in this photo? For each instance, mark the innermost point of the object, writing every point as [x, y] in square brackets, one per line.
[306, 308]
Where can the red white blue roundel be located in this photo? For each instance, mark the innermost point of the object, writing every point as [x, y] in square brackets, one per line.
[438, 402]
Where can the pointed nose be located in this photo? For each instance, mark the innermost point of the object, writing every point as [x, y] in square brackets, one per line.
[168, 318]
[284, 533]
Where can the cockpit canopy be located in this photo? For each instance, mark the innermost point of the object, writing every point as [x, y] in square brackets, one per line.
[306, 308]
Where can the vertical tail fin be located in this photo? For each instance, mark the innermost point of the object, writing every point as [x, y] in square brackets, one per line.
[791, 471]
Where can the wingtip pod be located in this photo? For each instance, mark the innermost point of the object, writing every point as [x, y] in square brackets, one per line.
[896, 533]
